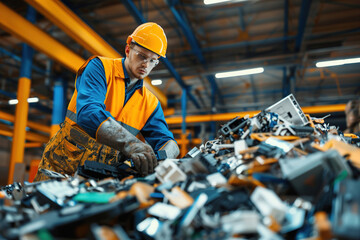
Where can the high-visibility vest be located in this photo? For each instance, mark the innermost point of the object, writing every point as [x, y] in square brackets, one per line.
[134, 115]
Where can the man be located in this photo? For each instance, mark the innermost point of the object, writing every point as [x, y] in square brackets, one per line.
[352, 112]
[109, 107]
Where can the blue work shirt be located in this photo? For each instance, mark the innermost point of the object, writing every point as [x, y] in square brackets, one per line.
[92, 84]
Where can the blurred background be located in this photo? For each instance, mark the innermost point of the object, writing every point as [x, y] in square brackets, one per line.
[276, 47]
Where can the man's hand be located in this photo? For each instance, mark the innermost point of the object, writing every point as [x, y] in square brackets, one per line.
[142, 155]
[114, 135]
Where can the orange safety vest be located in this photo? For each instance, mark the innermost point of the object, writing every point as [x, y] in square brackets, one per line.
[134, 115]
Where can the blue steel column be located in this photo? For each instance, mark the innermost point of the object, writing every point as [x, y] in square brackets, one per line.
[213, 111]
[292, 80]
[286, 83]
[177, 77]
[285, 89]
[254, 90]
[195, 46]
[286, 24]
[183, 124]
[58, 114]
[183, 109]
[212, 130]
[21, 114]
[140, 20]
[242, 20]
[304, 13]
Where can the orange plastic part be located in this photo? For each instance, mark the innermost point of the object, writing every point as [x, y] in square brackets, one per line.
[33, 169]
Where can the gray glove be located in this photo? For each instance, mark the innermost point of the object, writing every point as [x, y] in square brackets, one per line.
[111, 133]
[171, 149]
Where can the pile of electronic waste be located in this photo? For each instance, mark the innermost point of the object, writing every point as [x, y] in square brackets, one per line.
[277, 175]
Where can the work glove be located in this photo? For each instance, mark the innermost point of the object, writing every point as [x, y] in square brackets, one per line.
[112, 134]
[142, 155]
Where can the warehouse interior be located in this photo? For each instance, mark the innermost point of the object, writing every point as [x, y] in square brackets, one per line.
[286, 38]
[281, 40]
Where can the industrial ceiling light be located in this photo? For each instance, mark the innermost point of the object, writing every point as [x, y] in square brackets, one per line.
[156, 82]
[33, 100]
[239, 73]
[338, 62]
[13, 101]
[30, 100]
[208, 2]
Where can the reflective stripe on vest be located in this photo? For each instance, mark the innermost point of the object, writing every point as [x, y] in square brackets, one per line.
[72, 116]
[132, 130]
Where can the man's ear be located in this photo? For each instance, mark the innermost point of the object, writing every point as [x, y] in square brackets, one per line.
[127, 50]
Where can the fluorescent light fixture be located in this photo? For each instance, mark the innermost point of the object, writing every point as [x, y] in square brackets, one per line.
[13, 101]
[33, 100]
[207, 2]
[156, 82]
[338, 62]
[30, 100]
[239, 73]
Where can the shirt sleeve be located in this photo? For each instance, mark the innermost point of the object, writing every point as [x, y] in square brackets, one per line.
[156, 131]
[91, 86]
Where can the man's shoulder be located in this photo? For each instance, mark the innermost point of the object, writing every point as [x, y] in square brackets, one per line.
[113, 65]
[109, 59]
[149, 95]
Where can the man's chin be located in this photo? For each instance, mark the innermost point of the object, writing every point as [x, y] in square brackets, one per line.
[142, 76]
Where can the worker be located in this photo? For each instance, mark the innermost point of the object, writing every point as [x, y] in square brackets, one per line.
[111, 110]
[352, 112]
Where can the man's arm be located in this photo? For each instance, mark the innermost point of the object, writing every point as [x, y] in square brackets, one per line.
[156, 132]
[111, 133]
[91, 88]
[98, 123]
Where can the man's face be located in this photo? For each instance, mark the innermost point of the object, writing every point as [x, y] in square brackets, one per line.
[141, 61]
[351, 119]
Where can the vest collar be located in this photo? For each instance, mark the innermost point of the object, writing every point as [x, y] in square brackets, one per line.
[122, 73]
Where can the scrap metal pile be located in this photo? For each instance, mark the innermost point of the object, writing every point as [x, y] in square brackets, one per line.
[277, 175]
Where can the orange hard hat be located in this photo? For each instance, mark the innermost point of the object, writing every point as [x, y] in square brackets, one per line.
[150, 36]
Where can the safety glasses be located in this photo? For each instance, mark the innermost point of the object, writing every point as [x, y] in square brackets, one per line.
[143, 58]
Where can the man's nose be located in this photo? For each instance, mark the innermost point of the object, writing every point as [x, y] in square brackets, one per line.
[146, 63]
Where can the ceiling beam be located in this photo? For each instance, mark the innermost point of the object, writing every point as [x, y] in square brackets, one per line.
[229, 116]
[196, 49]
[18, 59]
[77, 29]
[140, 20]
[30, 136]
[237, 44]
[73, 26]
[15, 24]
[30, 124]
